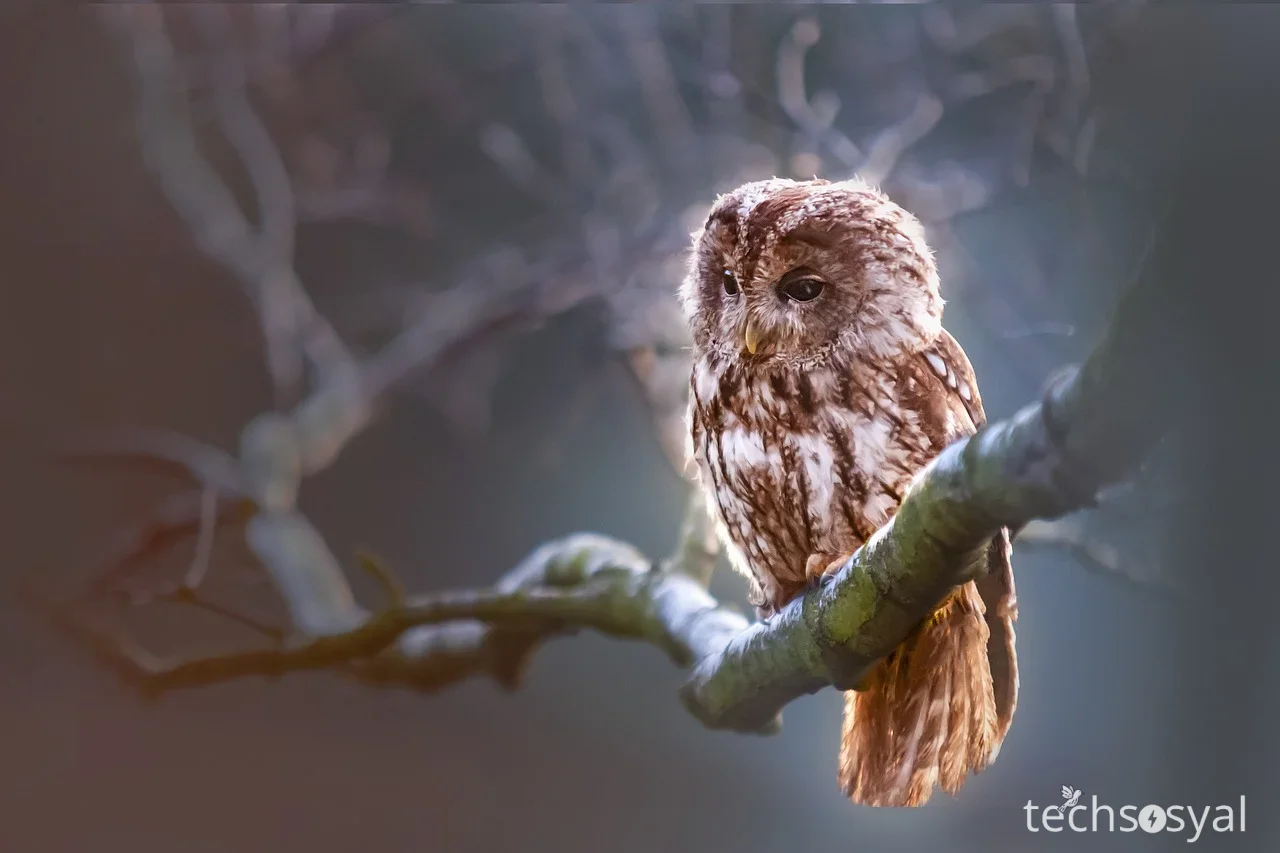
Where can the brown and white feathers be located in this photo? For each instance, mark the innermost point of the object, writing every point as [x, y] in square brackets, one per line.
[823, 381]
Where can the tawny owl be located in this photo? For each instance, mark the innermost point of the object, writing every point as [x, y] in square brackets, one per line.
[823, 381]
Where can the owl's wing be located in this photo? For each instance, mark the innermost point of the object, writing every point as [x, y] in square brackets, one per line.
[948, 365]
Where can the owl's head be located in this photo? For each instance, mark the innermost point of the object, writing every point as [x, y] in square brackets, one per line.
[790, 272]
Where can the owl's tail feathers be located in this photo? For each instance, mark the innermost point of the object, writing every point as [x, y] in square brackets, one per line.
[926, 714]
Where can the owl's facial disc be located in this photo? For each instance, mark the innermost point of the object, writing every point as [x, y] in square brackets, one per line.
[795, 274]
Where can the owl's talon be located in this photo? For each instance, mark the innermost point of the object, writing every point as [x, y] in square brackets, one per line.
[812, 567]
[819, 568]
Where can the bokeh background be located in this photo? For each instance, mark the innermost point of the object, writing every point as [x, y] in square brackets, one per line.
[572, 149]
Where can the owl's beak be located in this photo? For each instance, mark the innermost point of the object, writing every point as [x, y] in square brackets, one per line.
[754, 335]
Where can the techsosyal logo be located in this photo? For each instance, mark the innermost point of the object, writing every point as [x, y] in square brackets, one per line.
[1075, 816]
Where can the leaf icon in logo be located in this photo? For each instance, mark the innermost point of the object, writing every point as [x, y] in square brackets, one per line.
[1071, 795]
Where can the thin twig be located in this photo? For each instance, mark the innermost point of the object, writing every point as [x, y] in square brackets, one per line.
[584, 581]
[174, 519]
[697, 548]
[204, 539]
[208, 465]
[184, 595]
[392, 588]
[1068, 29]
[1096, 556]
[891, 143]
[658, 86]
[815, 119]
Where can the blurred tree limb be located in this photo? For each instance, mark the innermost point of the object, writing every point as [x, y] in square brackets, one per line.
[1091, 428]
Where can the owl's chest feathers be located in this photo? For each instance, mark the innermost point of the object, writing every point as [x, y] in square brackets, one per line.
[799, 463]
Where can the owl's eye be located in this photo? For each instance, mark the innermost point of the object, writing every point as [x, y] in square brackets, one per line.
[730, 283]
[800, 286]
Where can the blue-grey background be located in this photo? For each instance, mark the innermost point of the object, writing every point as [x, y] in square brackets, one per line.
[110, 318]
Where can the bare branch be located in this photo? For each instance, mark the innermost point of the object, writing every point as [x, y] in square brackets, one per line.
[307, 575]
[578, 161]
[974, 25]
[204, 539]
[1085, 141]
[261, 258]
[697, 548]
[1033, 109]
[892, 142]
[1034, 68]
[249, 136]
[195, 190]
[208, 465]
[453, 315]
[185, 595]
[391, 586]
[173, 520]
[815, 117]
[658, 85]
[510, 154]
[582, 581]
[1064, 20]
[1069, 535]
[663, 376]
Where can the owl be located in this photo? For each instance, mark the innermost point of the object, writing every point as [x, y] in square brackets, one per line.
[822, 383]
